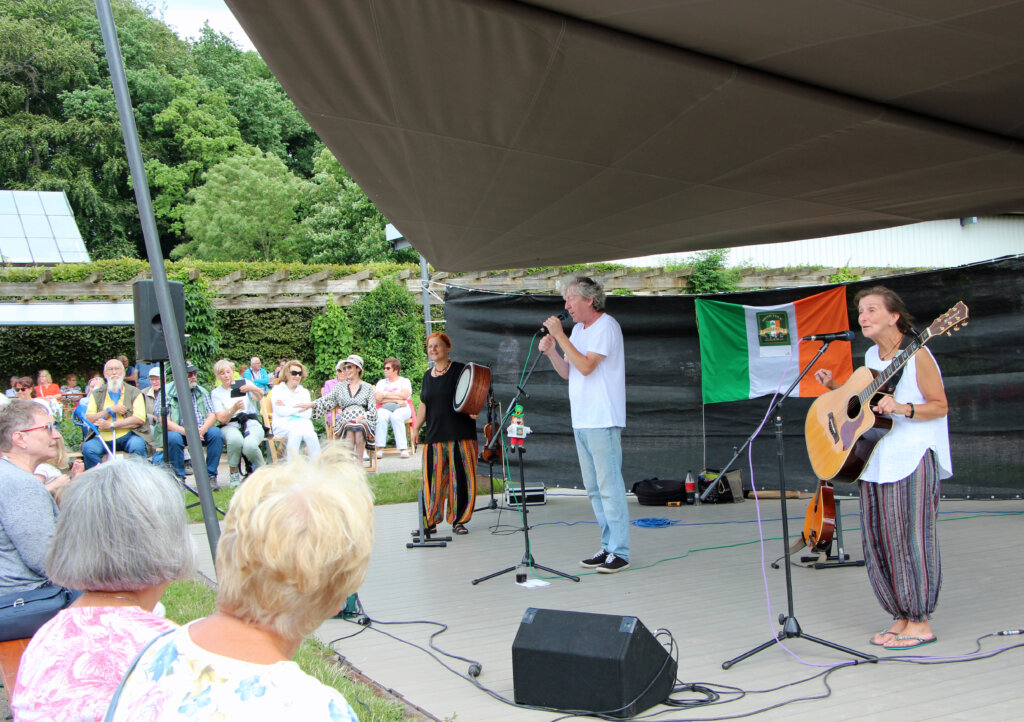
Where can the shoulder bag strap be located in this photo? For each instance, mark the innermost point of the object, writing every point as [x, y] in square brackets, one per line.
[109, 716]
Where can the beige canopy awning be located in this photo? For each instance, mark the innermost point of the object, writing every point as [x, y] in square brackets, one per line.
[499, 134]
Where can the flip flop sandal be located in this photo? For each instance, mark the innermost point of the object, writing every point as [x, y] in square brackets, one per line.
[428, 530]
[921, 641]
[885, 633]
[460, 529]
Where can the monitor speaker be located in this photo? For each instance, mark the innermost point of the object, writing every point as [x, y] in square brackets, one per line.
[150, 344]
[597, 663]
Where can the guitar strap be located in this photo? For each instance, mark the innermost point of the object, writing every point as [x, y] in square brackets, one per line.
[890, 385]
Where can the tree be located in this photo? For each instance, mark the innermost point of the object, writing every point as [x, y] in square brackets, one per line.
[388, 322]
[343, 225]
[710, 274]
[332, 340]
[244, 211]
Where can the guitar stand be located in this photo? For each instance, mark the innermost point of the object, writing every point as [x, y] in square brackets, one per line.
[790, 626]
[528, 559]
[493, 455]
[422, 537]
[841, 558]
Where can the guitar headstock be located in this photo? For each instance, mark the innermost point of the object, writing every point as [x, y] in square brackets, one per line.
[951, 320]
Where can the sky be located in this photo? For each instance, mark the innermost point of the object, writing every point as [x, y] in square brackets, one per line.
[186, 18]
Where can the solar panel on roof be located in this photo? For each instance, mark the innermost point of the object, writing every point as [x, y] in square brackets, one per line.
[39, 227]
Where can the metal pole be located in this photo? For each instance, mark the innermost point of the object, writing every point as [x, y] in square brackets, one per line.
[425, 285]
[171, 324]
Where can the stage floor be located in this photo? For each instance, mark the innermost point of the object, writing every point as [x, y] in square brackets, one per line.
[703, 578]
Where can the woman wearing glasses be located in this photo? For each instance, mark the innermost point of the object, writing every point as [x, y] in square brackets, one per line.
[292, 417]
[392, 393]
[358, 417]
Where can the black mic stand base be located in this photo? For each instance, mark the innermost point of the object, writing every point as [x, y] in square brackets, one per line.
[791, 630]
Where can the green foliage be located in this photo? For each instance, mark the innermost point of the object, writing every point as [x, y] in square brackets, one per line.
[341, 224]
[843, 275]
[388, 322]
[332, 340]
[710, 274]
[201, 327]
[72, 434]
[244, 211]
[270, 333]
[62, 349]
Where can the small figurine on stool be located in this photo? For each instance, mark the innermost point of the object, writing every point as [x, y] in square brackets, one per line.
[517, 432]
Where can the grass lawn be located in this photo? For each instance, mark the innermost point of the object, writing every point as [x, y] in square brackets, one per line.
[190, 600]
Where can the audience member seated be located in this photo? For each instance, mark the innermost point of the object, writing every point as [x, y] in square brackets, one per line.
[28, 512]
[52, 471]
[78, 416]
[119, 413]
[25, 390]
[209, 433]
[291, 405]
[393, 393]
[357, 422]
[279, 374]
[237, 410]
[121, 538]
[131, 374]
[296, 543]
[142, 372]
[45, 388]
[12, 392]
[339, 375]
[257, 375]
[70, 385]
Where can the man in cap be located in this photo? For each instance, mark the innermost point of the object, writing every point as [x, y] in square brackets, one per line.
[209, 431]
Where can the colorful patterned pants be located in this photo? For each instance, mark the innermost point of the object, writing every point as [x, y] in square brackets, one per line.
[901, 547]
[449, 475]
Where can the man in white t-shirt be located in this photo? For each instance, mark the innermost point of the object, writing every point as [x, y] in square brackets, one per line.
[593, 361]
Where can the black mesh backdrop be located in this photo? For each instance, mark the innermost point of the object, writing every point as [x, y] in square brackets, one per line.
[983, 368]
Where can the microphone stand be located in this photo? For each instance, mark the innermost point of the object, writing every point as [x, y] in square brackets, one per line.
[528, 559]
[790, 626]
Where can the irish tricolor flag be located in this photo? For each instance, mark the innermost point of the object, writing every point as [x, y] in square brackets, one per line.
[750, 351]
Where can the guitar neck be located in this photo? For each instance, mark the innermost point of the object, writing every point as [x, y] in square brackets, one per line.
[897, 363]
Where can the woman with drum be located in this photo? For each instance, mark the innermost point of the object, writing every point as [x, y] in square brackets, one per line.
[449, 462]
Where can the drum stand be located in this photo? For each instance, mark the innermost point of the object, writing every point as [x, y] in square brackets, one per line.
[528, 559]
[790, 626]
[422, 537]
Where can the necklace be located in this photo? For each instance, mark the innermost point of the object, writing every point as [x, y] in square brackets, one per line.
[891, 351]
[110, 595]
[435, 373]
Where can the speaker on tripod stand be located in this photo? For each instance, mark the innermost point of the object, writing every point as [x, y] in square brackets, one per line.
[150, 343]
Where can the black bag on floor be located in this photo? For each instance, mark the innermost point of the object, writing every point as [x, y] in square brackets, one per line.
[659, 492]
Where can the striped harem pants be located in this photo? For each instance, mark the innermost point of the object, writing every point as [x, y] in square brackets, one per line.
[901, 546]
[449, 475]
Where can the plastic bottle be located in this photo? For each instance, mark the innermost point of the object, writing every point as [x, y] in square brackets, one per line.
[691, 488]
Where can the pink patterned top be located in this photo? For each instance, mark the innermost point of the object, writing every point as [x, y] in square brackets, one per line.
[76, 660]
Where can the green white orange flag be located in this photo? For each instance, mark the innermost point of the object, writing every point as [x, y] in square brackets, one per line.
[748, 351]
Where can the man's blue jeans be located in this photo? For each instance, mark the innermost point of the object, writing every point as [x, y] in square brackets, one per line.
[600, 454]
[93, 450]
[213, 443]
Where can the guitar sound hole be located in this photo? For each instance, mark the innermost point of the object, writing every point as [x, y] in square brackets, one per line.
[853, 407]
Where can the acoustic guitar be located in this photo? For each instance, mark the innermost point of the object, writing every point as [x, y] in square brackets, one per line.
[841, 431]
[820, 523]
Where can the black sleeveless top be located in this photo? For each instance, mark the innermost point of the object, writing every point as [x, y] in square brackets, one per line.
[443, 422]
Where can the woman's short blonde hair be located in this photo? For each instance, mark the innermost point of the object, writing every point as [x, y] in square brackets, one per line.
[296, 543]
[223, 364]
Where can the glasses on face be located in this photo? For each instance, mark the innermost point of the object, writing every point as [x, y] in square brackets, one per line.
[346, 367]
[21, 388]
[48, 427]
[293, 372]
[387, 368]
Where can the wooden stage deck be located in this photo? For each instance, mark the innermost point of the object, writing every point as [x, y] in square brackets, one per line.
[702, 578]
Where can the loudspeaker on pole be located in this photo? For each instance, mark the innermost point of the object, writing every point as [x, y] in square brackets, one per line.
[577, 661]
[150, 344]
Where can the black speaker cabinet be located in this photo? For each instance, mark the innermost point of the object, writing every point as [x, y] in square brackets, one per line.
[589, 662]
[149, 329]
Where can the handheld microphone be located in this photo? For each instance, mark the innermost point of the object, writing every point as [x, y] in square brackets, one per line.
[561, 317]
[838, 336]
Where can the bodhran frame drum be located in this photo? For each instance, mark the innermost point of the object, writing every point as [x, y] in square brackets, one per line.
[471, 389]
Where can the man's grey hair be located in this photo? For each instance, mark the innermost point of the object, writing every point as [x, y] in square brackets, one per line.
[122, 527]
[17, 415]
[586, 287]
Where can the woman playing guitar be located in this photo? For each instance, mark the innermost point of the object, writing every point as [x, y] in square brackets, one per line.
[899, 487]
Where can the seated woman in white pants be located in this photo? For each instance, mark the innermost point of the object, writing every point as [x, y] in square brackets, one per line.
[392, 393]
[238, 418]
[292, 421]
